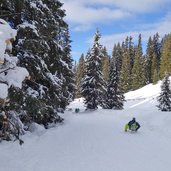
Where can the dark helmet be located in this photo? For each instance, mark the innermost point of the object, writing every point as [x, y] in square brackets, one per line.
[133, 119]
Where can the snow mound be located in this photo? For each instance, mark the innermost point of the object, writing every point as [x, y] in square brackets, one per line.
[36, 128]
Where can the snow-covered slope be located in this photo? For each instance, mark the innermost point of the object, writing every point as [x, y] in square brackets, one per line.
[148, 91]
[96, 141]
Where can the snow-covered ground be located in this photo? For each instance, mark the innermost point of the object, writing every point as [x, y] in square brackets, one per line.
[96, 141]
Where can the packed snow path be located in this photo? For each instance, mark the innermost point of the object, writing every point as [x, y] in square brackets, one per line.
[96, 141]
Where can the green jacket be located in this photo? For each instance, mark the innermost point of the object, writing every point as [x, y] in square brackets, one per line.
[133, 127]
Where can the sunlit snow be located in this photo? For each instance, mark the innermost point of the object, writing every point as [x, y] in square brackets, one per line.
[96, 141]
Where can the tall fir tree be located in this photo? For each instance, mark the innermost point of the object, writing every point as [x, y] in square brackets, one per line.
[166, 56]
[117, 54]
[164, 98]
[148, 61]
[125, 70]
[137, 79]
[114, 97]
[156, 45]
[79, 75]
[93, 85]
[43, 47]
[157, 50]
[68, 81]
[105, 64]
[155, 75]
[131, 53]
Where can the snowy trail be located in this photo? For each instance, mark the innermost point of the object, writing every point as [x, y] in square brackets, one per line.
[94, 142]
[106, 147]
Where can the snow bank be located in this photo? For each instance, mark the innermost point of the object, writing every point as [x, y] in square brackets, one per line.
[148, 91]
[36, 128]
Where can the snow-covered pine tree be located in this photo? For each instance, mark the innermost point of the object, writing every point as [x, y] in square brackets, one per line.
[92, 87]
[8, 66]
[164, 98]
[114, 96]
[43, 47]
[79, 75]
[66, 69]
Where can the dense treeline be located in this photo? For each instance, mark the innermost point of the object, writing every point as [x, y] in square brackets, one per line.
[134, 69]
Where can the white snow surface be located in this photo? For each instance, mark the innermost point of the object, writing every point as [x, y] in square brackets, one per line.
[96, 141]
[3, 91]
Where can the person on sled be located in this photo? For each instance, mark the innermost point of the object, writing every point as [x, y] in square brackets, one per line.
[132, 125]
[77, 110]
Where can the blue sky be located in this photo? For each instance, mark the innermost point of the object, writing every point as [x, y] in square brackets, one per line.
[115, 19]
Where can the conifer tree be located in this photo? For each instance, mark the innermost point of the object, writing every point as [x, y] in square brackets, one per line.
[166, 56]
[117, 54]
[114, 96]
[125, 70]
[164, 98]
[157, 51]
[43, 47]
[137, 79]
[131, 53]
[79, 75]
[66, 70]
[156, 48]
[148, 61]
[93, 85]
[105, 64]
[155, 76]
